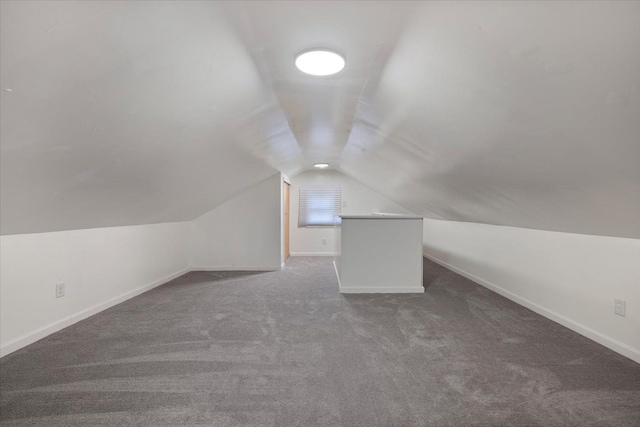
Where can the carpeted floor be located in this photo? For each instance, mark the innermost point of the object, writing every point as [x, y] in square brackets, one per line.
[285, 348]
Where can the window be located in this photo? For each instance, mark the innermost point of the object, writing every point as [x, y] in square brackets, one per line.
[318, 206]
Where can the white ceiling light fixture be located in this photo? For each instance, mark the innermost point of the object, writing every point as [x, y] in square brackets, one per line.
[320, 62]
[321, 165]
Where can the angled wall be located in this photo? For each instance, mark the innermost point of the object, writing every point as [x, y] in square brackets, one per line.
[242, 234]
[100, 267]
[572, 279]
[127, 113]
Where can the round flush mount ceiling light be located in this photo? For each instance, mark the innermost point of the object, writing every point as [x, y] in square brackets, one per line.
[320, 62]
[321, 165]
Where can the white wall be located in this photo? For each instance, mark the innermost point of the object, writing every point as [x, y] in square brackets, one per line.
[380, 255]
[105, 266]
[570, 278]
[243, 233]
[356, 199]
[100, 267]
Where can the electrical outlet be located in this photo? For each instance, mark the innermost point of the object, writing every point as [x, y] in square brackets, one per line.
[620, 307]
[324, 241]
[59, 289]
[344, 203]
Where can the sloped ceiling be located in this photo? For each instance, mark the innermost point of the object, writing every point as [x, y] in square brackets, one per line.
[513, 113]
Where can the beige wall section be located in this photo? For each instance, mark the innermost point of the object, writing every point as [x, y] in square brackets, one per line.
[243, 233]
[356, 199]
[100, 268]
[570, 278]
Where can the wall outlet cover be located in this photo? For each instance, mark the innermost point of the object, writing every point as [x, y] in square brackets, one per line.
[59, 289]
[620, 307]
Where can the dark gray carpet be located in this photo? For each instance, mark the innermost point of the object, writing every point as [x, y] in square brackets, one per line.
[285, 348]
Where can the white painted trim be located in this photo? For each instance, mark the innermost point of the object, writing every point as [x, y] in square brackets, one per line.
[613, 344]
[282, 266]
[335, 267]
[38, 334]
[234, 268]
[383, 290]
[312, 254]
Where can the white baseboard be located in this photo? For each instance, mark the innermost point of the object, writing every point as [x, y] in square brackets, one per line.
[235, 268]
[313, 254]
[378, 289]
[606, 341]
[383, 290]
[45, 331]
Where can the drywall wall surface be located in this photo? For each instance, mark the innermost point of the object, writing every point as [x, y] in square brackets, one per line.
[100, 267]
[516, 113]
[380, 255]
[570, 278]
[109, 111]
[243, 233]
[356, 199]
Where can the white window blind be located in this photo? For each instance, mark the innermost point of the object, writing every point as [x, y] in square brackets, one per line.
[318, 206]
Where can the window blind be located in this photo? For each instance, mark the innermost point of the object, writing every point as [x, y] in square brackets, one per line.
[318, 206]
